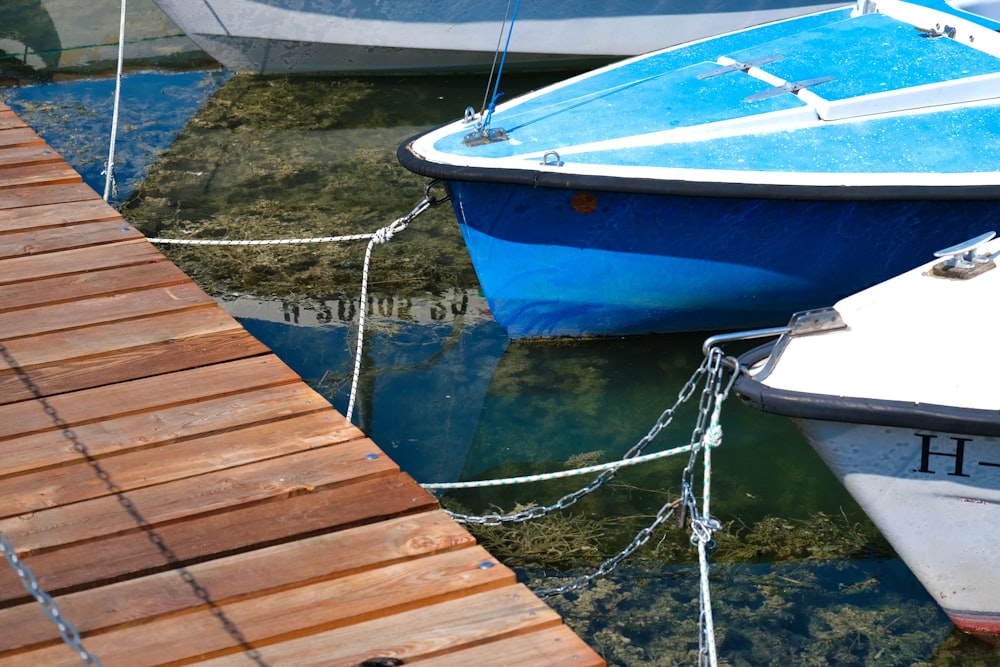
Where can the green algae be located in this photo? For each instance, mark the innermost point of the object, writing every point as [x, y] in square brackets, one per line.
[300, 157]
[650, 616]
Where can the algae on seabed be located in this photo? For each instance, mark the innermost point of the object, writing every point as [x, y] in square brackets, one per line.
[300, 157]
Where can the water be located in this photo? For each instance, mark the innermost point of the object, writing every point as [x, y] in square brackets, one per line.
[799, 576]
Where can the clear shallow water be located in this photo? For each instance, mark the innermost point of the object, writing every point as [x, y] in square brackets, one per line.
[448, 397]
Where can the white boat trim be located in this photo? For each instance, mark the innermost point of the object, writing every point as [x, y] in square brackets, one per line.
[963, 93]
[977, 36]
[812, 364]
[917, 99]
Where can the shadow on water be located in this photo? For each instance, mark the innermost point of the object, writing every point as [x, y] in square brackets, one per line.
[799, 575]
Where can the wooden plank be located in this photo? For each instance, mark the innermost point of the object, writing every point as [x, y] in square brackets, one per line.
[20, 156]
[203, 537]
[184, 495]
[321, 605]
[54, 215]
[103, 309]
[66, 289]
[39, 174]
[45, 194]
[9, 119]
[553, 647]
[52, 239]
[318, 468]
[165, 425]
[131, 363]
[321, 557]
[72, 262]
[102, 339]
[153, 394]
[168, 462]
[19, 136]
[483, 619]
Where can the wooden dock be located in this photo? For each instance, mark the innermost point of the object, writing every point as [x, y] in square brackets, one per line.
[184, 497]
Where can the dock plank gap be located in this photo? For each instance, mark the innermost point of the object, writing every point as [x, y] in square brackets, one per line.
[184, 497]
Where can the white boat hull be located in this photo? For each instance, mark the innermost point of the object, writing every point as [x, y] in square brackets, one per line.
[282, 36]
[936, 498]
[896, 389]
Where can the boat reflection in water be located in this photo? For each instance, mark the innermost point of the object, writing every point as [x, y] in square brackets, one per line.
[41, 39]
[426, 367]
[445, 393]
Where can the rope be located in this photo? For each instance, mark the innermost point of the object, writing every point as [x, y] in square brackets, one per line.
[702, 529]
[496, 56]
[488, 112]
[542, 477]
[377, 237]
[381, 236]
[707, 643]
[254, 242]
[109, 167]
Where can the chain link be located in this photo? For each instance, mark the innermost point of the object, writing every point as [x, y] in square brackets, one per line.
[126, 503]
[610, 564]
[706, 434]
[664, 420]
[49, 607]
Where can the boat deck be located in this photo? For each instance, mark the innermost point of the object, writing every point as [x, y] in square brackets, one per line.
[184, 496]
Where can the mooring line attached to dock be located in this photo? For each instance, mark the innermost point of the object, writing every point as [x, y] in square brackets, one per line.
[378, 237]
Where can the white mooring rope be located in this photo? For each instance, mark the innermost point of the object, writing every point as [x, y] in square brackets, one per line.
[109, 168]
[560, 474]
[377, 237]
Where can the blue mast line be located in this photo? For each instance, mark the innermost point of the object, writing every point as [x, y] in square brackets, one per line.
[503, 58]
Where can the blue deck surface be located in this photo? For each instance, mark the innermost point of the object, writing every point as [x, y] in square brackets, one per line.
[608, 104]
[884, 147]
[869, 54]
[864, 55]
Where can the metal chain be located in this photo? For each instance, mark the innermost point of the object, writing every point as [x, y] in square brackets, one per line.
[611, 563]
[664, 420]
[49, 607]
[702, 527]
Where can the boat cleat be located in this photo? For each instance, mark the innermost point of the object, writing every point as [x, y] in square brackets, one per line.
[965, 260]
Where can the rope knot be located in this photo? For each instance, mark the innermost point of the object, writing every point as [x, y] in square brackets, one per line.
[385, 234]
[713, 436]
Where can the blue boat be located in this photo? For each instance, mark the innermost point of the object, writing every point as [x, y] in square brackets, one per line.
[723, 183]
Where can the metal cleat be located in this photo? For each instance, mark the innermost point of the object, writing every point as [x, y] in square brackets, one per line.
[965, 260]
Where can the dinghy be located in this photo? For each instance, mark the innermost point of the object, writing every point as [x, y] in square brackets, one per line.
[306, 36]
[727, 182]
[896, 389]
